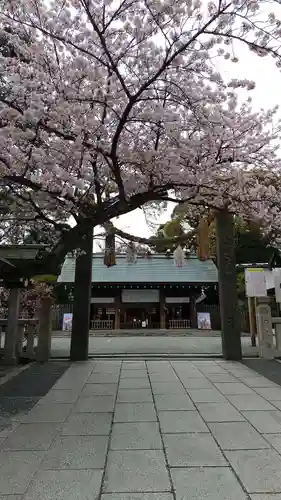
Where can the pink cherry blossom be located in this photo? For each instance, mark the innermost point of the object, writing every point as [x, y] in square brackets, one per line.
[108, 105]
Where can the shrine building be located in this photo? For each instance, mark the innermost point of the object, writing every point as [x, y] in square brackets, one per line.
[151, 292]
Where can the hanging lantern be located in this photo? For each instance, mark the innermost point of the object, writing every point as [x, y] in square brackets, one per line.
[179, 256]
[203, 252]
[109, 253]
[131, 254]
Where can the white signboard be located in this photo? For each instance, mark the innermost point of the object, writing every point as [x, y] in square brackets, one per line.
[255, 282]
[277, 283]
[177, 300]
[67, 322]
[138, 296]
[204, 321]
[102, 300]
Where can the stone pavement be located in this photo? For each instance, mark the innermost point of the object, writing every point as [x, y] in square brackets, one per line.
[155, 430]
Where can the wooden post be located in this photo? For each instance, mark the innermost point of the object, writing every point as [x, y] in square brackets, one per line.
[11, 336]
[79, 346]
[252, 320]
[117, 311]
[193, 312]
[162, 310]
[230, 321]
[45, 330]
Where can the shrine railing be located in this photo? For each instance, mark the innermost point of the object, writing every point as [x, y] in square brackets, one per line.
[179, 323]
[102, 324]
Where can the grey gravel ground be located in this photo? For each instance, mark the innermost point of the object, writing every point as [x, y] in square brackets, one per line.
[150, 346]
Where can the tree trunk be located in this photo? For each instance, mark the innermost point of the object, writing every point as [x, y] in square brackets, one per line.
[230, 321]
[79, 346]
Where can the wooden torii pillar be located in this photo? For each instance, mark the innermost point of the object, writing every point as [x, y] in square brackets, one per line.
[230, 321]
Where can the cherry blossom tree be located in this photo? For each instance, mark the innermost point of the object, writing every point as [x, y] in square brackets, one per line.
[107, 105]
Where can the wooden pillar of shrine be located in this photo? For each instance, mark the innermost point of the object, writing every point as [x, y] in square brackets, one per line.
[162, 310]
[230, 321]
[193, 312]
[79, 345]
[117, 310]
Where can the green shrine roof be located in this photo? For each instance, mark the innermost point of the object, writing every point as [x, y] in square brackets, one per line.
[157, 269]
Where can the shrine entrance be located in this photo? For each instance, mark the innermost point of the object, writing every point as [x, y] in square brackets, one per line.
[140, 316]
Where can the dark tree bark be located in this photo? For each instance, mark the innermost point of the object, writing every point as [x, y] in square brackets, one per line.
[79, 347]
[230, 321]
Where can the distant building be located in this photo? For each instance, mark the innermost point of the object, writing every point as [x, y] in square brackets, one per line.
[152, 292]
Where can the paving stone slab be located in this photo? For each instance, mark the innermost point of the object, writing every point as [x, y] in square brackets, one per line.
[207, 369]
[134, 374]
[174, 422]
[99, 389]
[47, 413]
[134, 396]
[164, 377]
[249, 402]
[10, 497]
[76, 452]
[107, 367]
[61, 396]
[189, 450]
[138, 496]
[258, 381]
[233, 388]
[136, 435]
[265, 421]
[259, 472]
[103, 378]
[188, 372]
[136, 471]
[193, 374]
[135, 412]
[133, 365]
[219, 412]
[207, 483]
[70, 383]
[237, 436]
[275, 441]
[134, 383]
[17, 469]
[87, 424]
[276, 404]
[168, 388]
[158, 366]
[173, 402]
[206, 395]
[270, 393]
[31, 437]
[222, 378]
[277, 496]
[65, 485]
[196, 383]
[94, 404]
